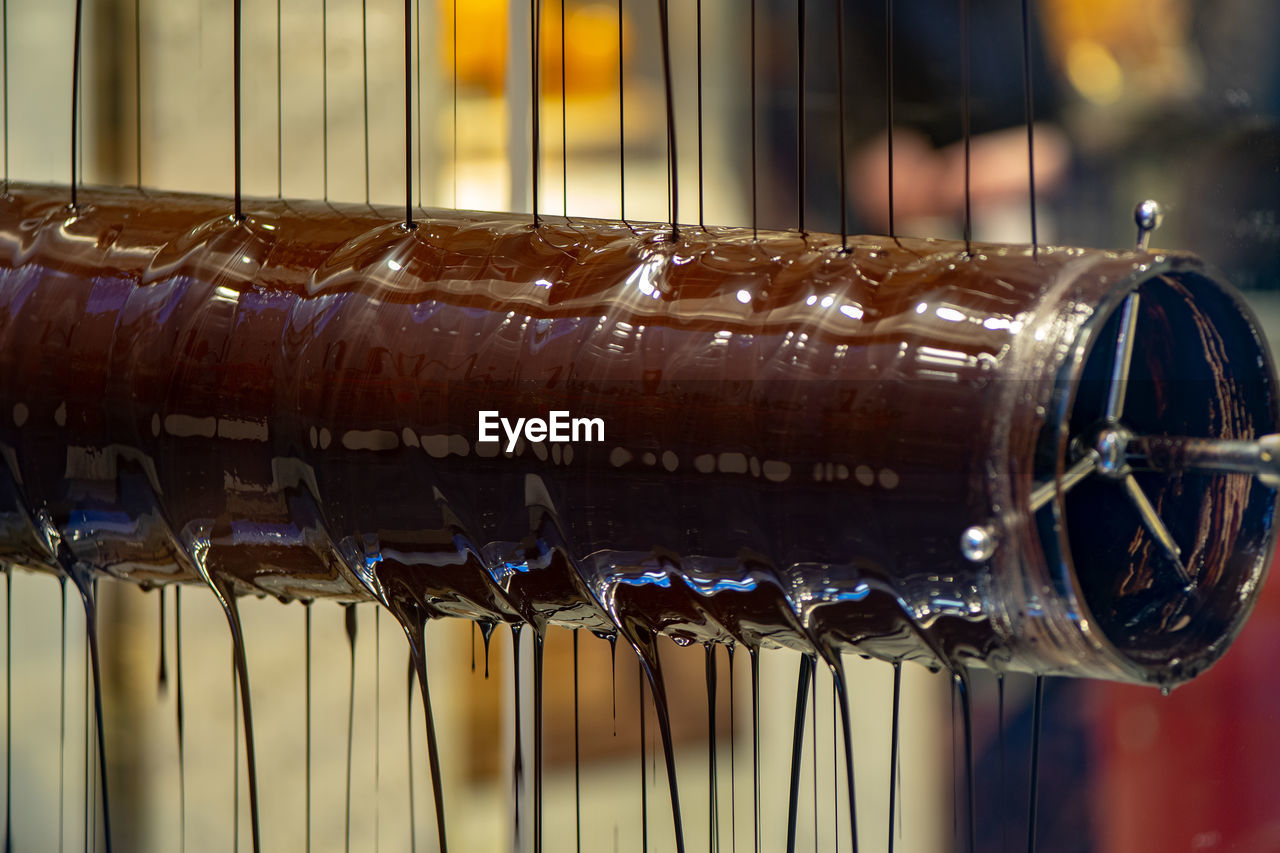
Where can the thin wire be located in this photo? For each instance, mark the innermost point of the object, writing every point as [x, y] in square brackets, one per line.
[235, 88]
[755, 195]
[564, 114]
[622, 136]
[408, 114]
[75, 99]
[535, 57]
[279, 108]
[307, 607]
[4, 61]
[800, 117]
[755, 208]
[137, 88]
[840, 90]
[1037, 711]
[1030, 110]
[455, 102]
[178, 715]
[8, 698]
[377, 714]
[672, 161]
[324, 89]
[702, 218]
[965, 122]
[417, 9]
[889, 119]
[364, 62]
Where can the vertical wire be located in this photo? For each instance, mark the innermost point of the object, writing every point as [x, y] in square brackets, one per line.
[137, 88]
[408, 115]
[307, 607]
[235, 97]
[622, 122]
[62, 715]
[364, 65]
[279, 107]
[535, 57]
[178, 714]
[75, 99]
[702, 218]
[844, 166]
[417, 51]
[755, 194]
[965, 85]
[417, 35]
[800, 117]
[673, 165]
[4, 67]
[889, 119]
[564, 113]
[324, 91]
[377, 713]
[1037, 710]
[1030, 110]
[454, 127]
[235, 751]
[8, 692]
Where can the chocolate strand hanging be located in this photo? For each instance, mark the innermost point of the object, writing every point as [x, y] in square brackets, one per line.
[1029, 106]
[965, 129]
[62, 711]
[178, 714]
[235, 761]
[577, 753]
[966, 712]
[307, 608]
[377, 724]
[843, 164]
[408, 115]
[889, 97]
[535, 57]
[8, 700]
[349, 623]
[895, 728]
[162, 671]
[1037, 710]
[673, 165]
[75, 100]
[800, 117]
[797, 749]
[235, 100]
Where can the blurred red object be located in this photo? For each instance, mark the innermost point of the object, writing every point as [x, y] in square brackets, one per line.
[1199, 769]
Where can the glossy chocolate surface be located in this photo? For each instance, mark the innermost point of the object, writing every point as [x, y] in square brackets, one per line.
[795, 437]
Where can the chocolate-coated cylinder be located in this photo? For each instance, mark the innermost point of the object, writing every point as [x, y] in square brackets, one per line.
[795, 437]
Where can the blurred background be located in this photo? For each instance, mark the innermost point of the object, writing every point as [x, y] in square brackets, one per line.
[1177, 100]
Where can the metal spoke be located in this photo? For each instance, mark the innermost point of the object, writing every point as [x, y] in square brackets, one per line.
[1123, 358]
[1043, 493]
[1151, 520]
[1260, 457]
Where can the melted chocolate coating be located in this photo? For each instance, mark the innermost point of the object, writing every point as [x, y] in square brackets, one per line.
[794, 437]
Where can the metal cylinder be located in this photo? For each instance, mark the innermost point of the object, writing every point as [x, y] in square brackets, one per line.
[792, 439]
